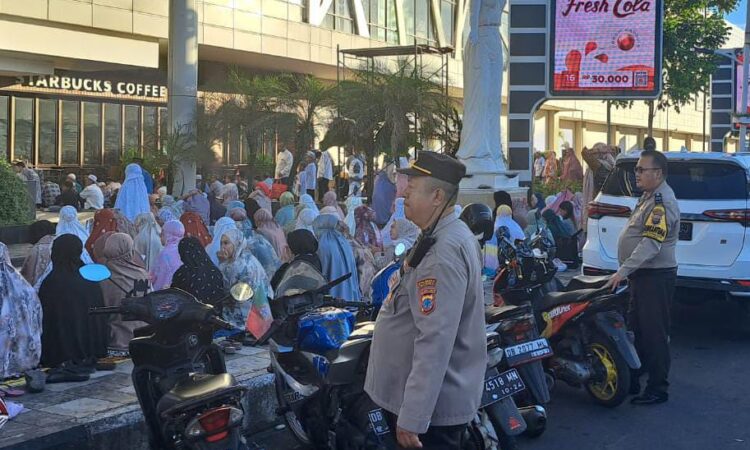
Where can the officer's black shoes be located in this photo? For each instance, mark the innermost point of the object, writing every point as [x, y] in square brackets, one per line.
[649, 399]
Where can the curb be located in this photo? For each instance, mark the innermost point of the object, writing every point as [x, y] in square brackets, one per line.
[125, 429]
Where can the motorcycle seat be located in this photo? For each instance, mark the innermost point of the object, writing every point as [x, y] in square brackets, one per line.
[494, 314]
[553, 299]
[587, 282]
[363, 330]
[197, 385]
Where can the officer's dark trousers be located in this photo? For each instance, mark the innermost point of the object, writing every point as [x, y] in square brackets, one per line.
[436, 438]
[651, 293]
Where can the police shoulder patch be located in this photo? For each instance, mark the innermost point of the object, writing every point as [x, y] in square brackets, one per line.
[656, 224]
[427, 288]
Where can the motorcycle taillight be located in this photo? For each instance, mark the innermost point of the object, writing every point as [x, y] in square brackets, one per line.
[214, 423]
[521, 329]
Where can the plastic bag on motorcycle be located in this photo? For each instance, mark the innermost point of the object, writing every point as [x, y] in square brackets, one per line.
[324, 329]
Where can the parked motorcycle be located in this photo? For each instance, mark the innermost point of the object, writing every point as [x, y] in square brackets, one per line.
[585, 327]
[187, 397]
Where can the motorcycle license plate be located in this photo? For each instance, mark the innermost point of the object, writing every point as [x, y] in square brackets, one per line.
[498, 387]
[292, 396]
[527, 352]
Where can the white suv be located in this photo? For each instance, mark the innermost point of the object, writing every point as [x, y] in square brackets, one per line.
[713, 251]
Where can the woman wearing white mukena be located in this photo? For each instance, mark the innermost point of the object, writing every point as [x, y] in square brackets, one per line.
[480, 149]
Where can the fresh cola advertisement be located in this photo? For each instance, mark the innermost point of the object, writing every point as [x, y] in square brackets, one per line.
[606, 48]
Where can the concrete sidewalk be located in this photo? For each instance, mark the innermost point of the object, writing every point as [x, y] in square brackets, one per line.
[103, 412]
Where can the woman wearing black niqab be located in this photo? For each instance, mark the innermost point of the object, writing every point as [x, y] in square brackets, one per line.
[70, 334]
[304, 247]
[198, 275]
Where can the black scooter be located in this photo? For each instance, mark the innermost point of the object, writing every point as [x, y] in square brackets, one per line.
[186, 395]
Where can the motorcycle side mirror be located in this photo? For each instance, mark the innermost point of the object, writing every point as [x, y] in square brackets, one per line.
[399, 250]
[95, 272]
[241, 292]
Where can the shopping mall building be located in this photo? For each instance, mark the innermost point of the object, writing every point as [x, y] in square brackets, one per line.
[82, 81]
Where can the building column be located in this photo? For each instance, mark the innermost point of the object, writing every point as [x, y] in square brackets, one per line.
[182, 66]
[641, 136]
[553, 129]
[578, 138]
[612, 135]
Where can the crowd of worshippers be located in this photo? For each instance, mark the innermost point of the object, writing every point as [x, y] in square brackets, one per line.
[217, 235]
[562, 217]
[204, 243]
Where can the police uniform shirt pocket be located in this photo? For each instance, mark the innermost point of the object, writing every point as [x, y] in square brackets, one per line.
[394, 289]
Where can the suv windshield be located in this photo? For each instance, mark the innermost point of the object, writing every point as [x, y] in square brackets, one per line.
[690, 180]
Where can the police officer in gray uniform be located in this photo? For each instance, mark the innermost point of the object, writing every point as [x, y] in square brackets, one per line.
[429, 354]
[646, 252]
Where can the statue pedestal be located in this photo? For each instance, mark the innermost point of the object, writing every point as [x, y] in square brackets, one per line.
[482, 185]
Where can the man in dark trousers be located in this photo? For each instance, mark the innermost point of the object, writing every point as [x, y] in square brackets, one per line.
[646, 252]
[429, 349]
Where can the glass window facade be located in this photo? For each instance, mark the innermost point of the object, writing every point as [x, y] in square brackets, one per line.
[381, 15]
[4, 125]
[419, 24]
[92, 133]
[47, 131]
[70, 130]
[23, 145]
[57, 132]
[132, 131]
[150, 137]
[112, 133]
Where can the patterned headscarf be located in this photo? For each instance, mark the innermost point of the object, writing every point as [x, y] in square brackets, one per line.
[367, 232]
[194, 227]
[21, 316]
[197, 275]
[104, 221]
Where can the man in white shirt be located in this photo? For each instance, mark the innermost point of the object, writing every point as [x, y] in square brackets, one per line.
[92, 194]
[325, 172]
[355, 169]
[310, 175]
[284, 163]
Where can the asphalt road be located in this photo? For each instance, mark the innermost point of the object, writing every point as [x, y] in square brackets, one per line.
[709, 405]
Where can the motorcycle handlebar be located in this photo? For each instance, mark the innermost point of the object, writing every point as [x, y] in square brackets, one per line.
[106, 310]
[213, 320]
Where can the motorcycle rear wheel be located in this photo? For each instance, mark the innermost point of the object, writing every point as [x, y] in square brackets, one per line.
[613, 389]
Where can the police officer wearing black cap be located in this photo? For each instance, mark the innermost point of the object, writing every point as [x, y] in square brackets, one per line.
[428, 355]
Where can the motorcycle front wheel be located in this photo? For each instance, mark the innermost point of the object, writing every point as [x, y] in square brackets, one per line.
[610, 380]
[295, 424]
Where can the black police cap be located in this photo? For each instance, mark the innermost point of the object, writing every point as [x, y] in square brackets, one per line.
[436, 165]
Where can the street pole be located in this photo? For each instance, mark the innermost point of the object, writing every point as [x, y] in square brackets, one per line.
[745, 68]
[182, 84]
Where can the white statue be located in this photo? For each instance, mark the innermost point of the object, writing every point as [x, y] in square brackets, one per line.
[481, 146]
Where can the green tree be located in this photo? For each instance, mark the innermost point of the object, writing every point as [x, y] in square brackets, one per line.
[254, 108]
[687, 24]
[380, 111]
[15, 207]
[307, 98]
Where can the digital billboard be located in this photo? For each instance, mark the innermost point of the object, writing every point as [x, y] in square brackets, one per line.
[738, 85]
[605, 48]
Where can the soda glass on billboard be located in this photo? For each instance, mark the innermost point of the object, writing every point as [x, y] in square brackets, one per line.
[605, 48]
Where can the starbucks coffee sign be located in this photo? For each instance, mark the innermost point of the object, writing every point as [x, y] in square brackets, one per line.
[92, 85]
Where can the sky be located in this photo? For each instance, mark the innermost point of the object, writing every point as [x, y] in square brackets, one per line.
[737, 17]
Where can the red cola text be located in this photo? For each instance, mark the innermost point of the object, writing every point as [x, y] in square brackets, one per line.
[622, 8]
